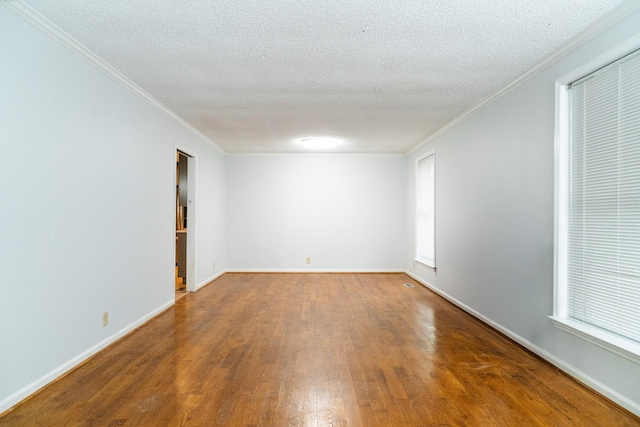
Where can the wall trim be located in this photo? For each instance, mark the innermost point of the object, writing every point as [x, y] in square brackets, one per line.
[319, 155]
[209, 280]
[26, 391]
[299, 270]
[55, 33]
[613, 17]
[569, 369]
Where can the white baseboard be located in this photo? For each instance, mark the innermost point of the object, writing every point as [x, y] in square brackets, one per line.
[614, 396]
[300, 270]
[36, 385]
[210, 279]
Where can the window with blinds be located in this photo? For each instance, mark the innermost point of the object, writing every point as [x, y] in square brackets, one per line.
[600, 205]
[425, 210]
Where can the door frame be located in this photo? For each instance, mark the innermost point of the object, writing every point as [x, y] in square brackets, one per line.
[192, 214]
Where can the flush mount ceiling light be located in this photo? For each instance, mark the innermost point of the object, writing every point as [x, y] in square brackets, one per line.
[319, 143]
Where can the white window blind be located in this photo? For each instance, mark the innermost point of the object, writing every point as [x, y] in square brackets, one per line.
[602, 206]
[425, 210]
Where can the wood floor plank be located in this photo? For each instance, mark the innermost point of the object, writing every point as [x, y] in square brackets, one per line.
[315, 350]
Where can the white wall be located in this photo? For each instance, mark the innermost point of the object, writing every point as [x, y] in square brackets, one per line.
[494, 222]
[343, 212]
[87, 211]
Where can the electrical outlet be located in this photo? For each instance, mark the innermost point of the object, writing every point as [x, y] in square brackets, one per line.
[214, 265]
[105, 318]
[308, 260]
[414, 265]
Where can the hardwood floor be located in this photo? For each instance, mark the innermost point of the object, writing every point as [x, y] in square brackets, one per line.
[181, 287]
[316, 350]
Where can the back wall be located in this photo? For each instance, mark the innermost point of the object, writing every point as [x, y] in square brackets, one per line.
[344, 212]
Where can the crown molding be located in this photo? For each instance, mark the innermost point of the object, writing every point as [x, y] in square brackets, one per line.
[611, 18]
[314, 271]
[55, 33]
[316, 155]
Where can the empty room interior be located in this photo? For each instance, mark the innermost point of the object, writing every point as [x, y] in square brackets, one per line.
[320, 213]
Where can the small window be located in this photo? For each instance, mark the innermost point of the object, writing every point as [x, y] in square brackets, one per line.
[425, 210]
[598, 208]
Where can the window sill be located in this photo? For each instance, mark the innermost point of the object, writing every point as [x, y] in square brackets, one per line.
[425, 263]
[619, 346]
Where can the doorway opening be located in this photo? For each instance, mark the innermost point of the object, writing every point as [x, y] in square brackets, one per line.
[184, 264]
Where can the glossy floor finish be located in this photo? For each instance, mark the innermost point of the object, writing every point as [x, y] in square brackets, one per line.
[316, 350]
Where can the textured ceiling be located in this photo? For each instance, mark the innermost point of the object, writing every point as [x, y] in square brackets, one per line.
[382, 75]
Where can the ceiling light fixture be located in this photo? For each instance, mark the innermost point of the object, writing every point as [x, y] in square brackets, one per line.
[319, 143]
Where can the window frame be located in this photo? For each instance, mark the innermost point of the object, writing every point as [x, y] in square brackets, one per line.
[430, 263]
[560, 317]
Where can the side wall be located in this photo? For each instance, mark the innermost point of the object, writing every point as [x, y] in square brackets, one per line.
[495, 222]
[88, 208]
[345, 213]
